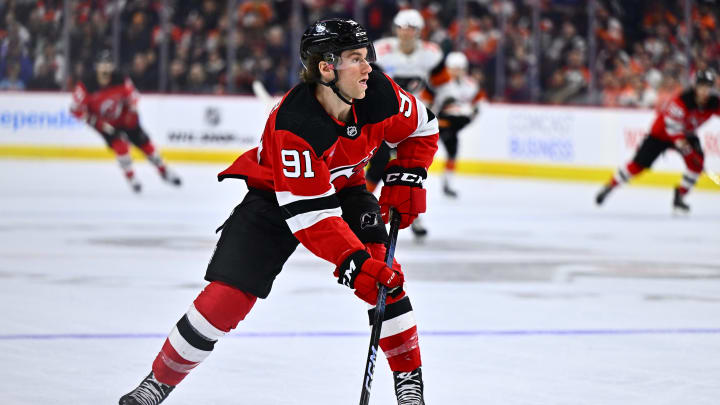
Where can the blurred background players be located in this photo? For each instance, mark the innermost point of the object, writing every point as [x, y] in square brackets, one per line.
[456, 97]
[107, 101]
[409, 61]
[674, 128]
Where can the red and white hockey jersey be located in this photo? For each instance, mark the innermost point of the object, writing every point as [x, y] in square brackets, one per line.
[114, 104]
[682, 116]
[306, 155]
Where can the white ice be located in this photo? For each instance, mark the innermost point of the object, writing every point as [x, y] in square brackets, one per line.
[524, 292]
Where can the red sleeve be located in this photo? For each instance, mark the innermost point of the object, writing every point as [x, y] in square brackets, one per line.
[307, 199]
[131, 94]
[413, 130]
[79, 107]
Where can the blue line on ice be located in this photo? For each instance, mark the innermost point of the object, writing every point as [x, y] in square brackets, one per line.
[326, 334]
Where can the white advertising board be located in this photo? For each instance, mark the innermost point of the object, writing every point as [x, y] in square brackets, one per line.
[527, 134]
[193, 122]
[573, 136]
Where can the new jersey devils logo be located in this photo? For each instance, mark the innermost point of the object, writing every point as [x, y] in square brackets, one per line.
[369, 219]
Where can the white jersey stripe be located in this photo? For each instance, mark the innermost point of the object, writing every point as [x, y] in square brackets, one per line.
[673, 126]
[185, 349]
[286, 197]
[308, 219]
[397, 325]
[202, 325]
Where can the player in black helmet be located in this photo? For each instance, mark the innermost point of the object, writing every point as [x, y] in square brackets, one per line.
[674, 128]
[306, 185]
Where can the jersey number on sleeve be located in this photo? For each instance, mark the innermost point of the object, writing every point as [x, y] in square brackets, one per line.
[292, 166]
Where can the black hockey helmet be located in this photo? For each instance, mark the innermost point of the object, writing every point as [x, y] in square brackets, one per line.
[104, 56]
[330, 37]
[706, 76]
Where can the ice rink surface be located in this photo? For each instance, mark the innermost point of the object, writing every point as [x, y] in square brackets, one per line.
[524, 292]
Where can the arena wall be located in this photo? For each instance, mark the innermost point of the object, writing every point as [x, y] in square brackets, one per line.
[565, 143]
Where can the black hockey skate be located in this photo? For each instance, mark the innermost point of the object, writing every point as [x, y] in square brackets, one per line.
[409, 387]
[602, 195]
[679, 205]
[135, 185]
[418, 229]
[149, 392]
[171, 177]
[449, 191]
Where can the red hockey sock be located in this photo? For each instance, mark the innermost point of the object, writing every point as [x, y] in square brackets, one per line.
[148, 148]
[217, 310]
[120, 147]
[122, 153]
[634, 169]
[399, 338]
[450, 165]
[625, 173]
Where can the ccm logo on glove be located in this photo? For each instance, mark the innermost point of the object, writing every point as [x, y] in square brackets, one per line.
[400, 176]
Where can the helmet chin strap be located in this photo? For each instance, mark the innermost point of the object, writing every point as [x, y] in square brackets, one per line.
[333, 85]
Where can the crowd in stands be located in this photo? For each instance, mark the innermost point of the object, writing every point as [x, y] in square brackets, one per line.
[641, 56]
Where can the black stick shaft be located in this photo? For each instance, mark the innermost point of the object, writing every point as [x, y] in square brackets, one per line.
[379, 311]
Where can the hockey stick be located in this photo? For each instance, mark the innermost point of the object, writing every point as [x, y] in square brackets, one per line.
[379, 311]
[262, 94]
[713, 176]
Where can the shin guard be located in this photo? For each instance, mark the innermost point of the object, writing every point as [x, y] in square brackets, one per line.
[217, 310]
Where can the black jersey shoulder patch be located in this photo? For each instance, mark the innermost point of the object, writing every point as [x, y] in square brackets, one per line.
[380, 100]
[688, 98]
[301, 114]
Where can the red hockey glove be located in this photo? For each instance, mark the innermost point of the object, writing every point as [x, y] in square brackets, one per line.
[363, 273]
[692, 156]
[403, 190]
[130, 120]
[101, 125]
[377, 252]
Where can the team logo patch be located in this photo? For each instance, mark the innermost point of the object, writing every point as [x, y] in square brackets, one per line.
[351, 131]
[369, 219]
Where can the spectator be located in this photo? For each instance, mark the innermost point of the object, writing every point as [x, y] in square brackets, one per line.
[12, 79]
[196, 82]
[177, 79]
[50, 63]
[140, 74]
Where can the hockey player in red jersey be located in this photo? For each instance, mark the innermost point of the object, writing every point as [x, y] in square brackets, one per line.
[674, 128]
[108, 101]
[306, 185]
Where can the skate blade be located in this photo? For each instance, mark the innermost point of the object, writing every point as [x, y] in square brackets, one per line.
[680, 212]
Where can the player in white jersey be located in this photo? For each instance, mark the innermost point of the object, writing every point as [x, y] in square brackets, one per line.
[406, 58]
[409, 61]
[456, 104]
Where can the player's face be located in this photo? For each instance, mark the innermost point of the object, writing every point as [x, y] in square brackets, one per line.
[407, 34]
[456, 72]
[104, 72]
[702, 92]
[353, 73]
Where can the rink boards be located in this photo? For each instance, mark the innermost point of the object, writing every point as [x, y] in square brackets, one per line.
[567, 143]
